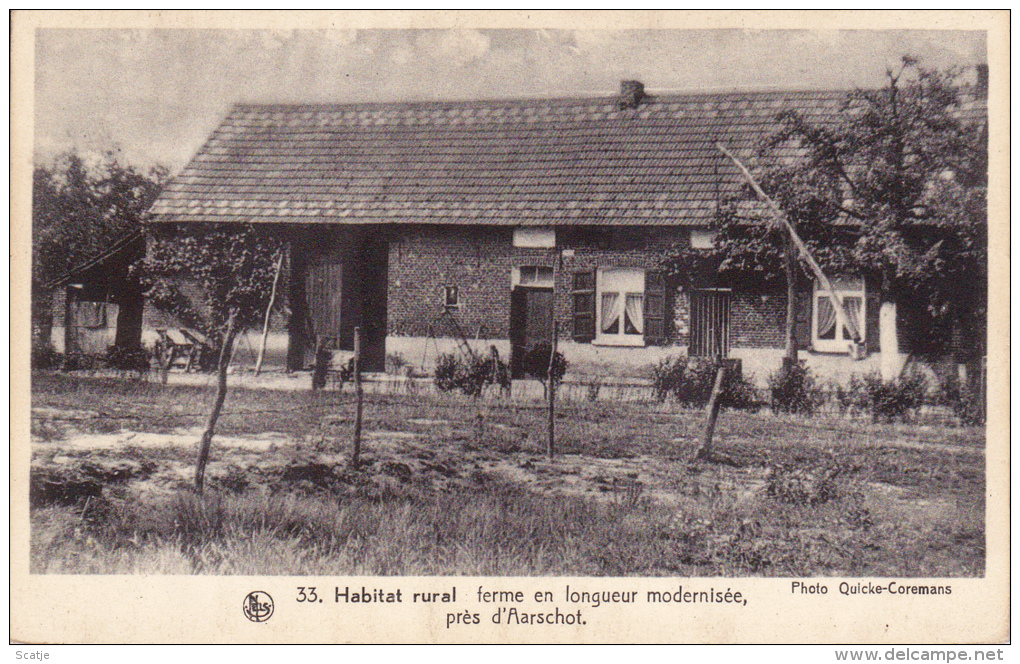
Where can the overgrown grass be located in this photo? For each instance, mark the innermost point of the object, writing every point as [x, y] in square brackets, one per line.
[505, 531]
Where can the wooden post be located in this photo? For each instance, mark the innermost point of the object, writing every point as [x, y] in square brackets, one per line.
[356, 451]
[791, 304]
[799, 243]
[712, 412]
[321, 365]
[552, 391]
[221, 395]
[269, 311]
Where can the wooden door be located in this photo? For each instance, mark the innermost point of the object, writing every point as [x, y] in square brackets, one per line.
[324, 290]
[531, 311]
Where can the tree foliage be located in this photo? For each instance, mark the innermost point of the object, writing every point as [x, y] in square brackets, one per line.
[205, 276]
[894, 187]
[79, 209]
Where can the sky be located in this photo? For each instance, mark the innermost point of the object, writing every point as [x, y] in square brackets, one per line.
[156, 95]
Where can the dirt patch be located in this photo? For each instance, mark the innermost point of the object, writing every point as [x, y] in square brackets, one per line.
[392, 461]
[441, 455]
[66, 480]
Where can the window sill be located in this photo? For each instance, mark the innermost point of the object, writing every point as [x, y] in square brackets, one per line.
[839, 349]
[631, 341]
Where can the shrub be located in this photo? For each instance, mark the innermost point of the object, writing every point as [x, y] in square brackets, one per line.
[965, 400]
[45, 356]
[536, 363]
[854, 397]
[689, 381]
[128, 359]
[471, 376]
[667, 377]
[78, 361]
[889, 399]
[739, 393]
[448, 369]
[793, 390]
[396, 363]
[792, 484]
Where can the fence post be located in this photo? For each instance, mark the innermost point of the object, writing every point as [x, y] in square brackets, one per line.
[712, 410]
[269, 313]
[356, 452]
[321, 366]
[552, 392]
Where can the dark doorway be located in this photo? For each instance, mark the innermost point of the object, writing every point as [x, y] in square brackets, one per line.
[374, 259]
[344, 288]
[531, 312]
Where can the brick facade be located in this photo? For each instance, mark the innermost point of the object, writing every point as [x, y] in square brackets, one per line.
[425, 259]
[757, 321]
[479, 261]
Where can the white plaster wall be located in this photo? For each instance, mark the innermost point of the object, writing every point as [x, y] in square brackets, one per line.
[247, 348]
[826, 367]
[57, 337]
[421, 352]
[619, 361]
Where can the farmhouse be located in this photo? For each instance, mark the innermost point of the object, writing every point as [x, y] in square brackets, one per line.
[432, 225]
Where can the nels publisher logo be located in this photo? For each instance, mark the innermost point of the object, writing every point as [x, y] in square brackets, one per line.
[258, 606]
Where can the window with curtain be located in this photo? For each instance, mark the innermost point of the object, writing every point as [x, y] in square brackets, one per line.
[91, 314]
[620, 301]
[827, 335]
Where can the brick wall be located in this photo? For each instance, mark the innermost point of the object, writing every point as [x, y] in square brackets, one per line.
[479, 262]
[424, 259]
[757, 321]
[628, 248]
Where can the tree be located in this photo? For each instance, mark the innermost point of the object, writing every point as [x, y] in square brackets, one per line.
[894, 188]
[216, 280]
[80, 210]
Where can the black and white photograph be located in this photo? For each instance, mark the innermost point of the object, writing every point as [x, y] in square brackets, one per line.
[664, 320]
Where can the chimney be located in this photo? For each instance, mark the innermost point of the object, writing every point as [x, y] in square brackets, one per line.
[631, 94]
[981, 86]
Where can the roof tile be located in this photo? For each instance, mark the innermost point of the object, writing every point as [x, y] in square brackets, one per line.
[492, 162]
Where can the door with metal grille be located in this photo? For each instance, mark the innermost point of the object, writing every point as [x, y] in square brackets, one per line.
[710, 323]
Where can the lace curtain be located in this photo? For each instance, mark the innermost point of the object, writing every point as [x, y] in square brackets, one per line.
[635, 314]
[609, 320]
[827, 317]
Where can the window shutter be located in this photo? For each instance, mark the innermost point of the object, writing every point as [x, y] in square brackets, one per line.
[655, 308]
[872, 304]
[583, 295]
[802, 327]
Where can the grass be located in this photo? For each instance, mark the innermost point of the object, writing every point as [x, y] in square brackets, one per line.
[933, 525]
[504, 531]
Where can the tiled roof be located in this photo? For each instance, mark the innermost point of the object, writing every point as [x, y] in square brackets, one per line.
[536, 162]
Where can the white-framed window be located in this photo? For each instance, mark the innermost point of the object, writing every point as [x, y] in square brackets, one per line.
[536, 276]
[92, 315]
[620, 304]
[451, 297]
[827, 335]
